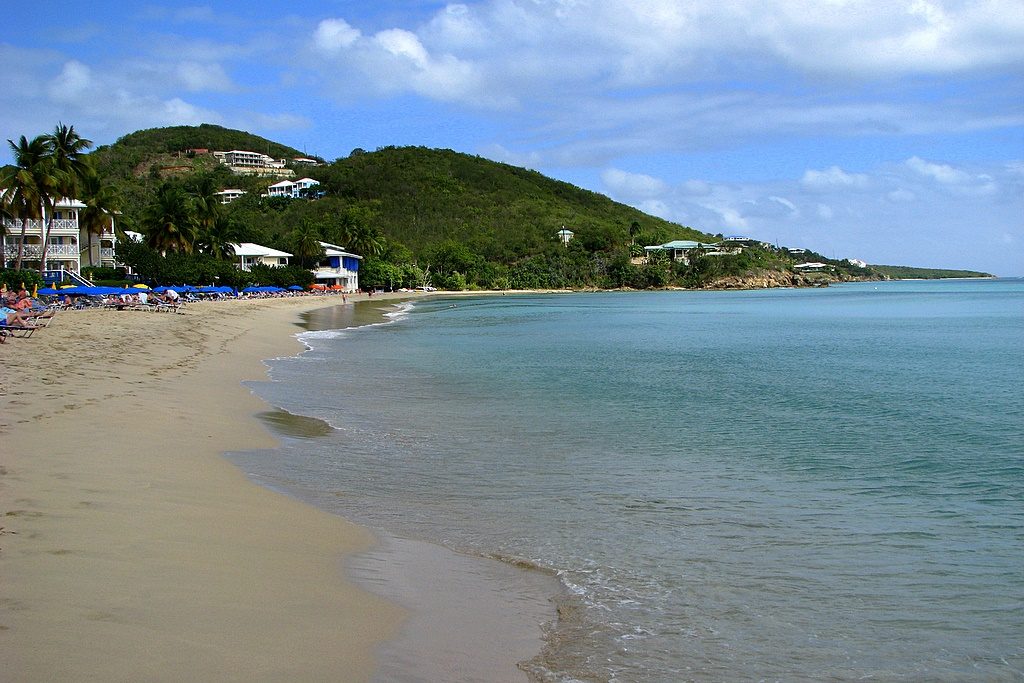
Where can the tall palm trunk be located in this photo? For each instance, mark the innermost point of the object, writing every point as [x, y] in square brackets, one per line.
[47, 225]
[21, 244]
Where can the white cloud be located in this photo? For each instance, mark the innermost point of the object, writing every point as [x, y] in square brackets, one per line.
[333, 35]
[831, 178]
[74, 80]
[403, 44]
[897, 215]
[942, 173]
[631, 186]
[196, 76]
[901, 195]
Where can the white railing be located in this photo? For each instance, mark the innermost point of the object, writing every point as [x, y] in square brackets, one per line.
[62, 250]
[107, 253]
[64, 224]
[30, 251]
[36, 226]
[336, 272]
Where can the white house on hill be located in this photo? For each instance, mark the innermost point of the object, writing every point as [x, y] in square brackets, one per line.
[229, 195]
[292, 189]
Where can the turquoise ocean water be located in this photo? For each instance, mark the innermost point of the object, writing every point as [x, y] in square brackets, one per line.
[819, 484]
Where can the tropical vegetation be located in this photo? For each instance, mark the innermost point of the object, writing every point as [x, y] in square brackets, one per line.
[417, 216]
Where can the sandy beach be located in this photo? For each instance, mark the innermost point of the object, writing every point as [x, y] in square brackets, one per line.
[130, 549]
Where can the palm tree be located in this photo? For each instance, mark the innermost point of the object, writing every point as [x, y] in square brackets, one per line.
[66, 152]
[169, 222]
[29, 184]
[205, 202]
[362, 239]
[218, 239]
[101, 203]
[305, 244]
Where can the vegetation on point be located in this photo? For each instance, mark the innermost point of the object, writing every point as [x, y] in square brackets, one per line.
[911, 273]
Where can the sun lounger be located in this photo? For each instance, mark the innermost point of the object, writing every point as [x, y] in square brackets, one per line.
[17, 330]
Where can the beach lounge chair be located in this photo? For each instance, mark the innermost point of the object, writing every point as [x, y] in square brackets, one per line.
[17, 330]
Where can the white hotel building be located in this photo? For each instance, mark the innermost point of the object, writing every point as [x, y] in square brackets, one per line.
[68, 247]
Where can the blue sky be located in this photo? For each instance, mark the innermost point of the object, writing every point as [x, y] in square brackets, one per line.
[886, 130]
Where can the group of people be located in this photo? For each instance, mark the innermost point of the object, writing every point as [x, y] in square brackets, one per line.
[20, 312]
[137, 299]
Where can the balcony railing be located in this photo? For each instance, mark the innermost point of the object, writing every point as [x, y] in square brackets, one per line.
[36, 226]
[31, 251]
[62, 250]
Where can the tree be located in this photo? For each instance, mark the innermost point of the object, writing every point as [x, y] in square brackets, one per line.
[169, 222]
[101, 203]
[634, 230]
[66, 153]
[29, 185]
[205, 202]
[218, 239]
[304, 242]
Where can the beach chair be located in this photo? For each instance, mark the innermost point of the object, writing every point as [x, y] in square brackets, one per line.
[17, 330]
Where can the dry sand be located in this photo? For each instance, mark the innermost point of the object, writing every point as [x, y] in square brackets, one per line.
[129, 549]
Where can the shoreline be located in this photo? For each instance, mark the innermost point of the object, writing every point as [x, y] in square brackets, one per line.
[131, 548]
[468, 617]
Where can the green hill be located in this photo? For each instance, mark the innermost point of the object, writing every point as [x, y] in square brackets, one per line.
[420, 196]
[155, 141]
[414, 196]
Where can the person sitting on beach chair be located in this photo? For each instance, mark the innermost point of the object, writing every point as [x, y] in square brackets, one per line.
[16, 319]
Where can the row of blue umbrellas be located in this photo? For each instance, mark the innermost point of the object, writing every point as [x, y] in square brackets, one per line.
[268, 288]
[181, 289]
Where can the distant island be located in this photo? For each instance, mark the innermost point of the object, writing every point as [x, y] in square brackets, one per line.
[417, 217]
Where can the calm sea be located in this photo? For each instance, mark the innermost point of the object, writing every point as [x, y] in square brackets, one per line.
[790, 485]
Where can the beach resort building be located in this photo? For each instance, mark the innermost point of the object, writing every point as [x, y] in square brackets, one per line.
[304, 161]
[68, 243]
[249, 254]
[229, 195]
[338, 267]
[680, 250]
[293, 190]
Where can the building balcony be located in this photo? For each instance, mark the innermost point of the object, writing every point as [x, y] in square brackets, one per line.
[62, 250]
[65, 226]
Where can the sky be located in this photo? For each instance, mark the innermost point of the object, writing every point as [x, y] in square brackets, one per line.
[885, 130]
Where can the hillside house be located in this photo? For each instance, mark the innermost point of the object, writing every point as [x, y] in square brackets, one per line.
[680, 250]
[229, 195]
[293, 189]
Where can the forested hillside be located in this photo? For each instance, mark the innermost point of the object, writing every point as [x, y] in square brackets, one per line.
[415, 214]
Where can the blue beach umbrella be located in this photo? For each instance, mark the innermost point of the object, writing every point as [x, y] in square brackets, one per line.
[295, 288]
[48, 291]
